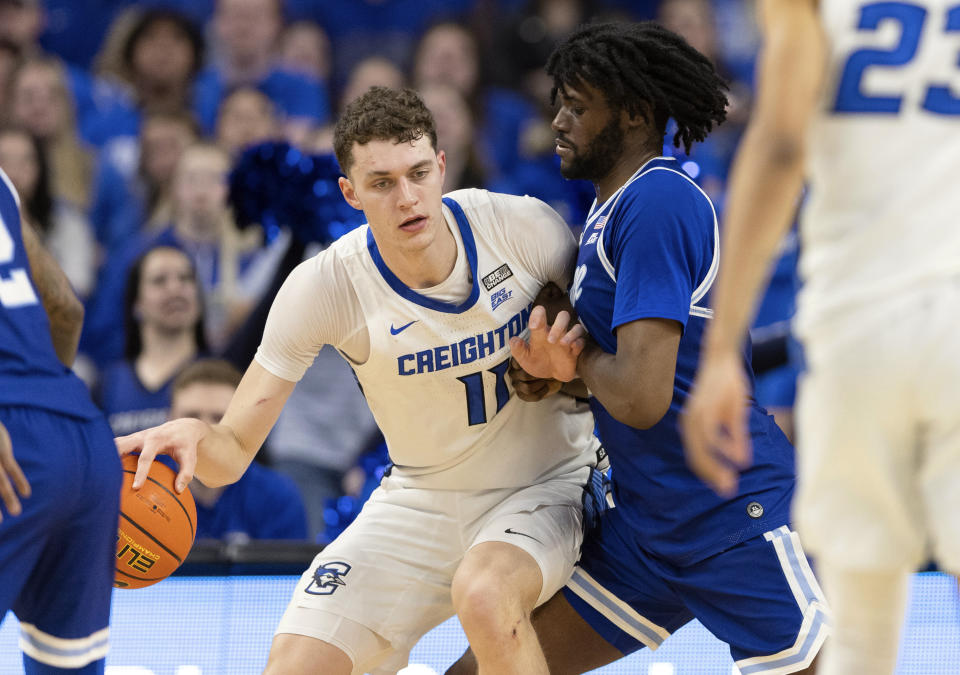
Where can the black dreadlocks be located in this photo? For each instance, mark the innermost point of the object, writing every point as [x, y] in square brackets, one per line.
[643, 63]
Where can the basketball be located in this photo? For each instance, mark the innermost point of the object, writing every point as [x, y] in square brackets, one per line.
[156, 528]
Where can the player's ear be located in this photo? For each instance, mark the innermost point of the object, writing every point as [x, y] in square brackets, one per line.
[442, 163]
[346, 187]
[643, 118]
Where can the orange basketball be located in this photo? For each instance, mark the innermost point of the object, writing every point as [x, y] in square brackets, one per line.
[157, 526]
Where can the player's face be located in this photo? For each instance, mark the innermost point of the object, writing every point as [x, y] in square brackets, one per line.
[205, 401]
[399, 188]
[590, 136]
[168, 297]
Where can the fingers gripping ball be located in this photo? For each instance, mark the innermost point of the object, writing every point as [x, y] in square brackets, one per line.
[157, 527]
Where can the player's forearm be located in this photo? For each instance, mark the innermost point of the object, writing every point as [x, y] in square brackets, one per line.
[221, 457]
[618, 389]
[768, 173]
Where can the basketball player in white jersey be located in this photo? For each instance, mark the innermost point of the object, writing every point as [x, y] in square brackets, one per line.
[482, 512]
[862, 100]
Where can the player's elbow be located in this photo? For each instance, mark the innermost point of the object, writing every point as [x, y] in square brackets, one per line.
[782, 148]
[71, 312]
[643, 412]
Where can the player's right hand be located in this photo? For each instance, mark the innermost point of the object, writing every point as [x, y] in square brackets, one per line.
[178, 438]
[12, 479]
[551, 351]
[714, 423]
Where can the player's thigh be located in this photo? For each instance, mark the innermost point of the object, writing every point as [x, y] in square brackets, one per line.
[761, 598]
[546, 522]
[64, 623]
[857, 499]
[389, 572]
[619, 591]
[300, 655]
[569, 643]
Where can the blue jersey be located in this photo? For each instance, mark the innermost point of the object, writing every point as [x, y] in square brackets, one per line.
[263, 504]
[30, 372]
[128, 404]
[651, 251]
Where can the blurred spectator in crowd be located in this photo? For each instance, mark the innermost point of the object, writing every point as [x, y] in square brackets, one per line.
[246, 117]
[710, 162]
[21, 22]
[9, 60]
[163, 332]
[153, 66]
[41, 102]
[305, 49]
[390, 28]
[64, 227]
[372, 71]
[521, 43]
[247, 35]
[232, 268]
[448, 54]
[263, 504]
[455, 136]
[76, 29]
[126, 202]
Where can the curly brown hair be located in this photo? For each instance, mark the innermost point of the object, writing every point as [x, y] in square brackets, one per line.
[382, 114]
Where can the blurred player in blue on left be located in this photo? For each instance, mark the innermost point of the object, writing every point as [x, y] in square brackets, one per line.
[60, 474]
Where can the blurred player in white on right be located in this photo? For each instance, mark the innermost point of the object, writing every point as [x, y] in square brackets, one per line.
[861, 99]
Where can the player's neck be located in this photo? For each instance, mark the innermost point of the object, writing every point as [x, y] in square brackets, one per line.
[627, 164]
[163, 354]
[426, 267]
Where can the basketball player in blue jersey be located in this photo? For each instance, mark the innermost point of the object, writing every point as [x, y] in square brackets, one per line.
[57, 547]
[849, 91]
[482, 512]
[671, 550]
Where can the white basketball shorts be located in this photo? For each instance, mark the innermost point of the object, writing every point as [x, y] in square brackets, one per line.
[878, 457]
[391, 570]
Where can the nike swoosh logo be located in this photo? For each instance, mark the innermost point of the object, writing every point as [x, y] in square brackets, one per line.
[510, 530]
[397, 331]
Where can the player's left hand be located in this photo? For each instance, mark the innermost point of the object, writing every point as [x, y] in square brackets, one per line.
[12, 480]
[529, 388]
[550, 352]
[714, 423]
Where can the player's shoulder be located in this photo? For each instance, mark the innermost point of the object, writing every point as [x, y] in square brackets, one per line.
[330, 268]
[500, 211]
[664, 177]
[664, 185]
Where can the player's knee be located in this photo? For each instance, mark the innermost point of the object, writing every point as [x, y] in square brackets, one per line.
[486, 607]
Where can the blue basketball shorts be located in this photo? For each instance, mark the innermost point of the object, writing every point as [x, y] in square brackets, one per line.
[760, 597]
[57, 556]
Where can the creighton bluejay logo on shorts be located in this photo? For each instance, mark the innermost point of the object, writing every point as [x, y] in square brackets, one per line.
[327, 578]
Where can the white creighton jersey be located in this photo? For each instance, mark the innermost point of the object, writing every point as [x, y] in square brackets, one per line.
[433, 363]
[884, 154]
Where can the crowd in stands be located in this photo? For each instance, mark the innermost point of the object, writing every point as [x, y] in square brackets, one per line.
[120, 122]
